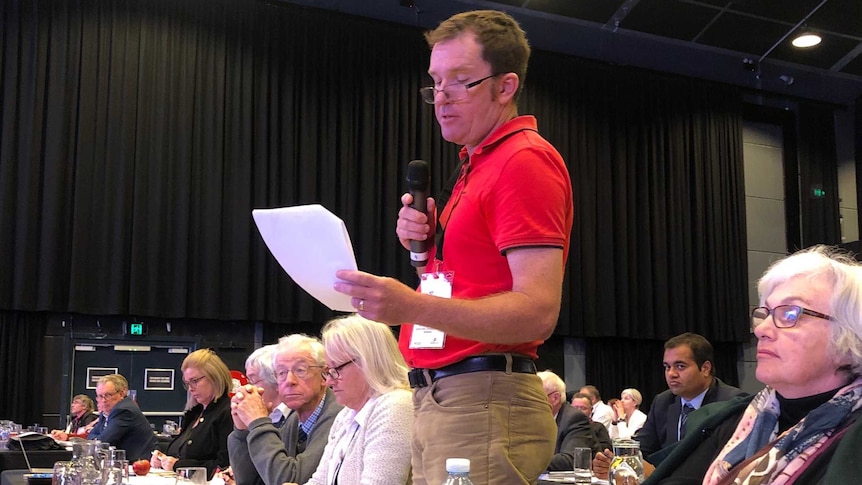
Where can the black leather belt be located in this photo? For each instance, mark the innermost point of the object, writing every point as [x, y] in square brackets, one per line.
[479, 363]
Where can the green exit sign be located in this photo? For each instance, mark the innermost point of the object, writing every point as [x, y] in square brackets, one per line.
[817, 192]
[137, 329]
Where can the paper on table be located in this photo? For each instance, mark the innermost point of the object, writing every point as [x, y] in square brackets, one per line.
[311, 244]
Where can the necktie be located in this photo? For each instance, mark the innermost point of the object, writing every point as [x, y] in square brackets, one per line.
[301, 439]
[682, 419]
[280, 423]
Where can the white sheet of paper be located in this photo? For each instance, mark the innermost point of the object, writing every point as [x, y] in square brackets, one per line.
[311, 244]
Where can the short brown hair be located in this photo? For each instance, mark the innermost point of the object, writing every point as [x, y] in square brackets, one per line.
[504, 43]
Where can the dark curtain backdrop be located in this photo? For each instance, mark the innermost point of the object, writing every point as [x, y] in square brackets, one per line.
[21, 340]
[136, 138]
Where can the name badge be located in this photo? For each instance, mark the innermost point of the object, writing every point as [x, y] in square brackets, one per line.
[437, 284]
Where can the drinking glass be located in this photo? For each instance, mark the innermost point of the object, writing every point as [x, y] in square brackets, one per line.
[116, 472]
[5, 434]
[583, 463]
[193, 475]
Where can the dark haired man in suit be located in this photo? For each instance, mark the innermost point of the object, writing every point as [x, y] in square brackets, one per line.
[689, 374]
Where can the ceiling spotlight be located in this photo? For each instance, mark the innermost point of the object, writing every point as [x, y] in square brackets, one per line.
[806, 39]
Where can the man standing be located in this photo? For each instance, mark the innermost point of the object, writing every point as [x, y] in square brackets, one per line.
[259, 450]
[602, 413]
[573, 427]
[601, 438]
[121, 422]
[688, 371]
[493, 292]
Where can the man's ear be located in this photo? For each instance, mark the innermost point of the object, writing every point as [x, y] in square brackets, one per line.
[706, 368]
[507, 86]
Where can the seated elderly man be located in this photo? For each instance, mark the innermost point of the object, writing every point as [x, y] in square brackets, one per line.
[121, 422]
[82, 419]
[804, 427]
[259, 451]
[573, 427]
[258, 370]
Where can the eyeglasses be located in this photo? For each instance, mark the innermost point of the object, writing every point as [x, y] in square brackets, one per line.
[192, 383]
[453, 92]
[105, 396]
[334, 373]
[783, 316]
[300, 371]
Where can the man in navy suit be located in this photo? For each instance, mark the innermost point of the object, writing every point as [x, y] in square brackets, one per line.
[688, 372]
[573, 426]
[121, 422]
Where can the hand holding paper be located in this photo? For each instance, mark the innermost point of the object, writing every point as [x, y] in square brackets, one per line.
[311, 244]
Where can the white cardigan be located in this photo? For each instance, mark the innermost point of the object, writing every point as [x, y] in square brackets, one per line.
[623, 430]
[375, 443]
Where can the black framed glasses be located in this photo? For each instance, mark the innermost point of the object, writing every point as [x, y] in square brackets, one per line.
[300, 371]
[192, 383]
[453, 92]
[334, 373]
[784, 316]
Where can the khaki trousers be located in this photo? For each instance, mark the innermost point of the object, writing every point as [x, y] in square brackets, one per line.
[501, 422]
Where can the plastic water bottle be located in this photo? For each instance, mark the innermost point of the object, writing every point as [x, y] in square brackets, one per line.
[459, 471]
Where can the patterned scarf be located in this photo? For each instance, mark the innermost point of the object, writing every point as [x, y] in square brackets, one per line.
[788, 455]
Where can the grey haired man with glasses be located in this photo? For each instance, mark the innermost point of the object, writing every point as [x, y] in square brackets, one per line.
[259, 451]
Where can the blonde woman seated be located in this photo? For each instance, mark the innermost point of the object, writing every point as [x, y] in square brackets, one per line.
[370, 440]
[627, 417]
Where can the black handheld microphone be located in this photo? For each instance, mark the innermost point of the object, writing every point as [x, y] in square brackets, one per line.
[418, 183]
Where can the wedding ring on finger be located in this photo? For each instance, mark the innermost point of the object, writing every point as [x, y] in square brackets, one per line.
[361, 305]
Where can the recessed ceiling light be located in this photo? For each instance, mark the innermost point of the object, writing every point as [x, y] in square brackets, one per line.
[806, 40]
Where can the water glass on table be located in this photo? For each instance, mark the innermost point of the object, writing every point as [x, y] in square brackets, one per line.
[116, 472]
[191, 475]
[5, 433]
[583, 462]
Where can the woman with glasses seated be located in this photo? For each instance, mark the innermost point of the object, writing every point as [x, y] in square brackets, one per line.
[207, 422]
[370, 440]
[804, 427]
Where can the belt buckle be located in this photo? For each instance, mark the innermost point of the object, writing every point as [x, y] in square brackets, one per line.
[417, 378]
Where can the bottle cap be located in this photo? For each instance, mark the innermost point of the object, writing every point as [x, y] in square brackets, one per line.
[458, 465]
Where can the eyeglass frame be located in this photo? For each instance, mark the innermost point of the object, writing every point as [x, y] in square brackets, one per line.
[193, 383]
[770, 312]
[281, 374]
[334, 372]
[106, 396]
[432, 97]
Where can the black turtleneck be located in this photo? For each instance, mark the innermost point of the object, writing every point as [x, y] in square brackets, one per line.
[793, 410]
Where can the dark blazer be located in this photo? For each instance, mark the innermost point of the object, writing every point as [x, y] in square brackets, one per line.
[127, 429]
[266, 454]
[80, 421]
[204, 444]
[601, 438]
[660, 428]
[573, 430]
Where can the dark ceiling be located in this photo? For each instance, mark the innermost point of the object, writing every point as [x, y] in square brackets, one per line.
[744, 42]
[757, 28]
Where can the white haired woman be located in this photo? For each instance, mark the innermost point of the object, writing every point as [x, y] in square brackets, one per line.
[628, 418]
[370, 440]
[804, 427]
